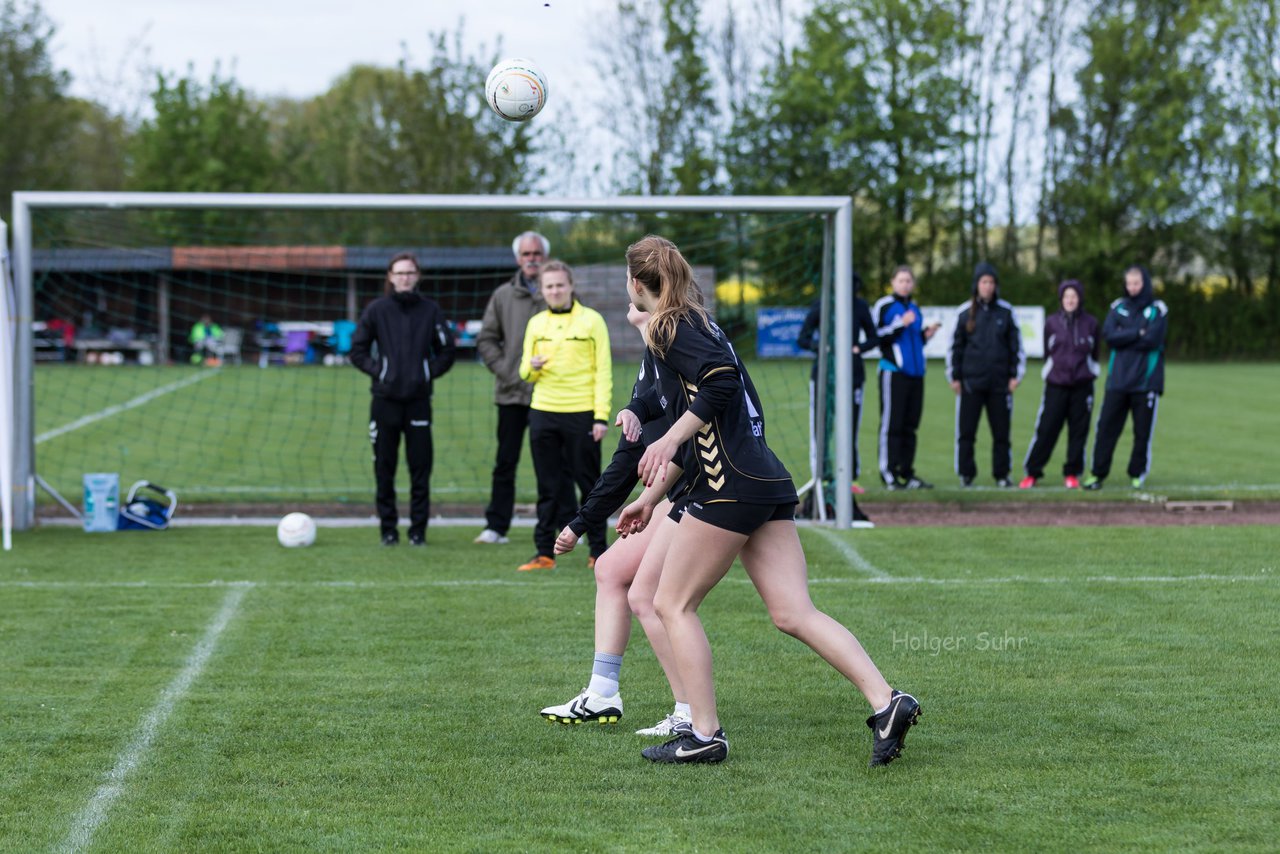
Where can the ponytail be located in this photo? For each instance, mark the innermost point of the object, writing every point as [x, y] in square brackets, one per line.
[658, 266]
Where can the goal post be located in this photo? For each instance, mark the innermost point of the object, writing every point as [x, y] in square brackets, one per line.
[835, 288]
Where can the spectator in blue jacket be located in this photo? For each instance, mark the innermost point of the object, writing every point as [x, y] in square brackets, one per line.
[902, 335]
[985, 363]
[1135, 331]
[1070, 367]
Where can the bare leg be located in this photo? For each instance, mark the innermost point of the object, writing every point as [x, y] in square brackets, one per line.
[614, 571]
[643, 587]
[699, 556]
[774, 560]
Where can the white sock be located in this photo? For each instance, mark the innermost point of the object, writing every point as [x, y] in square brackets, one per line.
[602, 685]
[885, 709]
[683, 711]
[705, 739]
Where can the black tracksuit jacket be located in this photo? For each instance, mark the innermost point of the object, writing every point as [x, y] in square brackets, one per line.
[415, 345]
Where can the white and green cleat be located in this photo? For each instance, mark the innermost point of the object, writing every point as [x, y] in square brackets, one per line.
[587, 707]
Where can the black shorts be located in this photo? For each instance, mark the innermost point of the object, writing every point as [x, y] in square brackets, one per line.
[741, 518]
[678, 508]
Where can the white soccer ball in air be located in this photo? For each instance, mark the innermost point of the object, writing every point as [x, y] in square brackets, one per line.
[516, 89]
[296, 529]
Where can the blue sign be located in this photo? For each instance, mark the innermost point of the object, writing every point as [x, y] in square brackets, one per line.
[776, 332]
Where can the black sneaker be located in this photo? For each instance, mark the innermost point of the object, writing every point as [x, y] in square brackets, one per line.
[916, 483]
[390, 538]
[1093, 483]
[889, 728]
[966, 482]
[894, 485]
[1004, 483]
[416, 539]
[686, 747]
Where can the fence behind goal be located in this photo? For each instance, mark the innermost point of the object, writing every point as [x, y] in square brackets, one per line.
[272, 417]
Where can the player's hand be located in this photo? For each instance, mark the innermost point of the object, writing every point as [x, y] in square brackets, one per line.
[955, 386]
[599, 430]
[630, 424]
[633, 519]
[536, 362]
[653, 465]
[908, 317]
[1013, 383]
[566, 541]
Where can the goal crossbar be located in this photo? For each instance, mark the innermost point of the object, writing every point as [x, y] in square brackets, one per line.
[837, 270]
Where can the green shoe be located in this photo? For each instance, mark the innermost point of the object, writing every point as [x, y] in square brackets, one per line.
[1092, 482]
[1136, 483]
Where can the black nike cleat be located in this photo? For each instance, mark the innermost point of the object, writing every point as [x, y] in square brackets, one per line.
[889, 728]
[686, 747]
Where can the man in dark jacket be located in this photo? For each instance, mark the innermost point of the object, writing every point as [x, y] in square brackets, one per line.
[821, 406]
[1070, 367]
[984, 365]
[500, 344]
[1135, 331]
[415, 348]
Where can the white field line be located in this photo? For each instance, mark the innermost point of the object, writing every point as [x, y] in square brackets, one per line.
[1265, 575]
[95, 812]
[851, 554]
[140, 400]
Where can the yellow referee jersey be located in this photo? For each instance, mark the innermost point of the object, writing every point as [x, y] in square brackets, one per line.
[578, 374]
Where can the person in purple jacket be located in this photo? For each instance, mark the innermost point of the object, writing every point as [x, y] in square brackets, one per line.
[1070, 367]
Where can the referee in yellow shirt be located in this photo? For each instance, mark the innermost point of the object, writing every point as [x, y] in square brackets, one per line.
[566, 357]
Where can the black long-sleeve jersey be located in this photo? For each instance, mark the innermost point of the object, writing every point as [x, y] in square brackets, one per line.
[617, 481]
[728, 459]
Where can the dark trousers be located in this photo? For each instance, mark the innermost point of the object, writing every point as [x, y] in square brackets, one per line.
[388, 421]
[826, 409]
[901, 405]
[998, 402]
[1116, 406]
[1062, 404]
[564, 455]
[513, 418]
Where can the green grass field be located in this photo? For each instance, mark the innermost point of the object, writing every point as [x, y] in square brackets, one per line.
[205, 690]
[301, 434]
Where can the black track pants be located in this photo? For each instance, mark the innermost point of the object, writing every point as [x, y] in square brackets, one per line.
[564, 456]
[1116, 407]
[388, 421]
[998, 403]
[1062, 404]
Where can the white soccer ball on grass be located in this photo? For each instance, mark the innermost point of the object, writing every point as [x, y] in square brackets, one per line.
[296, 530]
[516, 89]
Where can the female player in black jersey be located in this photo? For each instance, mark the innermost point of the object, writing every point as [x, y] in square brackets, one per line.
[741, 503]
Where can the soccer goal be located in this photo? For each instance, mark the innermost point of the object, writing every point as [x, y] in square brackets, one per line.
[199, 340]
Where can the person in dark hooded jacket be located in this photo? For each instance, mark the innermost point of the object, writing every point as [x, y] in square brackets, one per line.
[984, 365]
[415, 348]
[822, 406]
[1135, 331]
[1070, 367]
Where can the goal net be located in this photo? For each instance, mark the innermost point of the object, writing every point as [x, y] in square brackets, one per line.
[200, 341]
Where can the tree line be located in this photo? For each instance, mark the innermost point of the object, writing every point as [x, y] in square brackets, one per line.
[1056, 138]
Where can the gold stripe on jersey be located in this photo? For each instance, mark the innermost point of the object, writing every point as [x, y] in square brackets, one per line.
[708, 447]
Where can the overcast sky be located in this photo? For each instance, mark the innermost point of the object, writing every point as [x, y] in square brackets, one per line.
[298, 47]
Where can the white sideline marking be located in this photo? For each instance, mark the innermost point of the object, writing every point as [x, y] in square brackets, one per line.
[1266, 574]
[86, 420]
[95, 812]
[847, 549]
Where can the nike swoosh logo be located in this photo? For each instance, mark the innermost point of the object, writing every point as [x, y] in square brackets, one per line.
[884, 733]
[682, 753]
